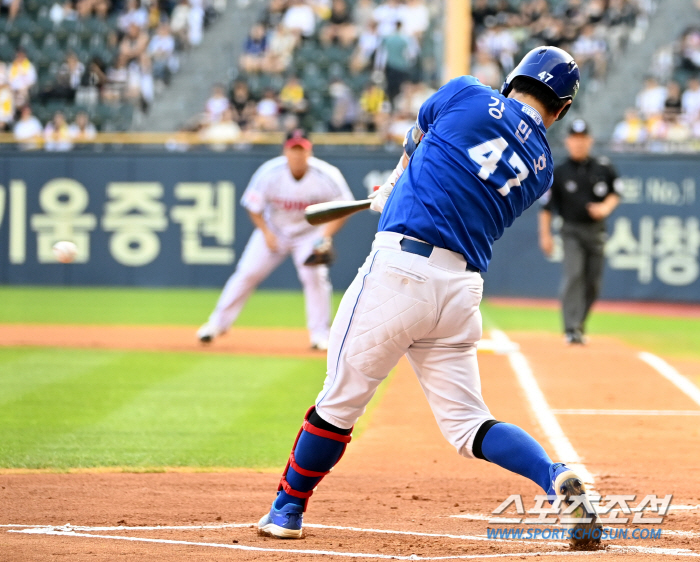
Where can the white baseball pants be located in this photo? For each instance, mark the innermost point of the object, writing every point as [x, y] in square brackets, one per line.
[257, 262]
[426, 308]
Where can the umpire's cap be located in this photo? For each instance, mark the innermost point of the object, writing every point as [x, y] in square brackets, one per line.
[552, 66]
[297, 137]
[579, 127]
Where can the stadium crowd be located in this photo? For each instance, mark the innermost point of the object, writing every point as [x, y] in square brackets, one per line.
[361, 65]
[326, 65]
[97, 63]
[666, 113]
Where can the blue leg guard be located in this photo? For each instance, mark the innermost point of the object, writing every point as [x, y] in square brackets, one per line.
[316, 451]
[514, 449]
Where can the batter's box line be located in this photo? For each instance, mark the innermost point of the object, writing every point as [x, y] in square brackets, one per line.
[70, 531]
[45, 531]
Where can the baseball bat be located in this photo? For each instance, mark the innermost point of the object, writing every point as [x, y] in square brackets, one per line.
[321, 213]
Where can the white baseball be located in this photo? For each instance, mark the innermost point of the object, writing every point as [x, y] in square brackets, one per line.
[65, 251]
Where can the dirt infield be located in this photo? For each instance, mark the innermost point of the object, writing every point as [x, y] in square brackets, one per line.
[400, 490]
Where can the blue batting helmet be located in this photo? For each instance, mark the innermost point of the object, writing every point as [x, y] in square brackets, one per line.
[552, 66]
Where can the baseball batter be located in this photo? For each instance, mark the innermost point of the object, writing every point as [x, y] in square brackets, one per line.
[275, 199]
[481, 159]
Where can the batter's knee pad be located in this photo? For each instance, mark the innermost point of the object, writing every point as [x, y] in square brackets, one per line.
[317, 449]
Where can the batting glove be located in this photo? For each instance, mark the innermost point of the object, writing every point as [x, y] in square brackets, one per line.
[380, 196]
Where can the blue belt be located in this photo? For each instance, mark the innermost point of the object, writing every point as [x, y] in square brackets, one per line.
[424, 249]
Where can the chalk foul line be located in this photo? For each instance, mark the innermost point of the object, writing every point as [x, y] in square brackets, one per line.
[672, 375]
[563, 448]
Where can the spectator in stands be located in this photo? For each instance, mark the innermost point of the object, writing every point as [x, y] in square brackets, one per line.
[195, 23]
[366, 49]
[57, 134]
[133, 14]
[415, 18]
[498, 41]
[673, 98]
[690, 100]
[630, 131]
[292, 98]
[115, 86]
[416, 94]
[10, 8]
[667, 127]
[82, 130]
[373, 111]
[340, 27]
[344, 108]
[300, 18]
[86, 8]
[7, 106]
[242, 103]
[267, 112]
[28, 130]
[62, 12]
[67, 80]
[273, 14]
[590, 53]
[651, 100]
[22, 77]
[254, 50]
[362, 13]
[179, 23]
[280, 50]
[690, 49]
[161, 49]
[387, 15]
[397, 58]
[143, 83]
[92, 84]
[487, 70]
[134, 44]
[216, 105]
[222, 133]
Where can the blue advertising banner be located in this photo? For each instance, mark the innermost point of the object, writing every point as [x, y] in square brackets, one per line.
[173, 219]
[652, 249]
[153, 219]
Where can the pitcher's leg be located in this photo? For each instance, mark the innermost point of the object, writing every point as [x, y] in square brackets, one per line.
[316, 284]
[256, 263]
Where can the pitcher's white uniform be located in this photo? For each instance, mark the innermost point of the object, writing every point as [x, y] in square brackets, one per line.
[281, 199]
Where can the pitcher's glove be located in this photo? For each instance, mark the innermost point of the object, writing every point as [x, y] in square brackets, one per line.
[323, 253]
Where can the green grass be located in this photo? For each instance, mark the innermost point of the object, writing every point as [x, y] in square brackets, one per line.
[672, 337]
[97, 305]
[64, 408]
[75, 408]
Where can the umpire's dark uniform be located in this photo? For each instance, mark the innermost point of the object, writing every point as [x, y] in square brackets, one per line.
[578, 182]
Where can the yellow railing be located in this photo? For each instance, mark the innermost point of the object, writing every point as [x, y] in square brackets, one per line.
[366, 139]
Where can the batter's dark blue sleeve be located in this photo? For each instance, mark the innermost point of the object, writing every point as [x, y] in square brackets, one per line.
[431, 108]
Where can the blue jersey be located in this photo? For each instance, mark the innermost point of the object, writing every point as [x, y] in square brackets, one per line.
[484, 159]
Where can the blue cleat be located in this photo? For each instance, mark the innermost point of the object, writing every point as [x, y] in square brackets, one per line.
[585, 530]
[282, 523]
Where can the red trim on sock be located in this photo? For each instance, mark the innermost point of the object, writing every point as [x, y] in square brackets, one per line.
[327, 434]
[292, 492]
[303, 471]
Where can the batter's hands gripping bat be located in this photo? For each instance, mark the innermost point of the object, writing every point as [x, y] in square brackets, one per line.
[321, 213]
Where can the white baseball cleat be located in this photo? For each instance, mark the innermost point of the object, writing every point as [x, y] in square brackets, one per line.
[207, 333]
[583, 525]
[320, 345]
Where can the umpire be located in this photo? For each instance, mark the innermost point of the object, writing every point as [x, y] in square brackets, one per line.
[584, 194]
